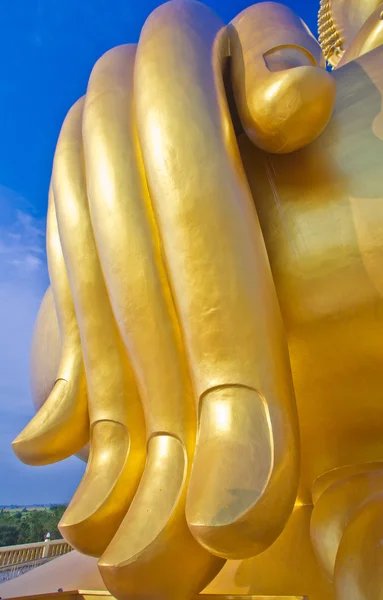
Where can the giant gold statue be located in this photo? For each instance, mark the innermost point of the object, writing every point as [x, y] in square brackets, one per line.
[214, 325]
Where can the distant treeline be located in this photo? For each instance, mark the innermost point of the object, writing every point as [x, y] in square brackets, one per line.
[21, 506]
[29, 525]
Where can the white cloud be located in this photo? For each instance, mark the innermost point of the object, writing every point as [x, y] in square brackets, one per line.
[22, 240]
[23, 281]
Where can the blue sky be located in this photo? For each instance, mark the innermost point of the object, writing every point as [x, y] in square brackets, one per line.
[48, 49]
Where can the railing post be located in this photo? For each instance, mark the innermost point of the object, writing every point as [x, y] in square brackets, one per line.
[46, 549]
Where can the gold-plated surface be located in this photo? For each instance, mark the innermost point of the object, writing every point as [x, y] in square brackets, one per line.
[283, 96]
[117, 424]
[324, 243]
[370, 36]
[323, 239]
[126, 234]
[289, 566]
[96, 595]
[336, 509]
[339, 23]
[217, 267]
[46, 350]
[223, 304]
[61, 426]
[248, 597]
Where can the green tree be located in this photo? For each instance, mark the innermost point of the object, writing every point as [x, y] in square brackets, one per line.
[30, 526]
[9, 535]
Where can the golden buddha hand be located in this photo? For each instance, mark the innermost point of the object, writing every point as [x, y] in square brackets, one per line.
[165, 300]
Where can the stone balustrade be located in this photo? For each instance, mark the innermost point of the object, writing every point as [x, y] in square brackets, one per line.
[16, 560]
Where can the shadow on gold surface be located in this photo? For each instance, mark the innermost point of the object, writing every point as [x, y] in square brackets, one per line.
[323, 232]
[289, 566]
